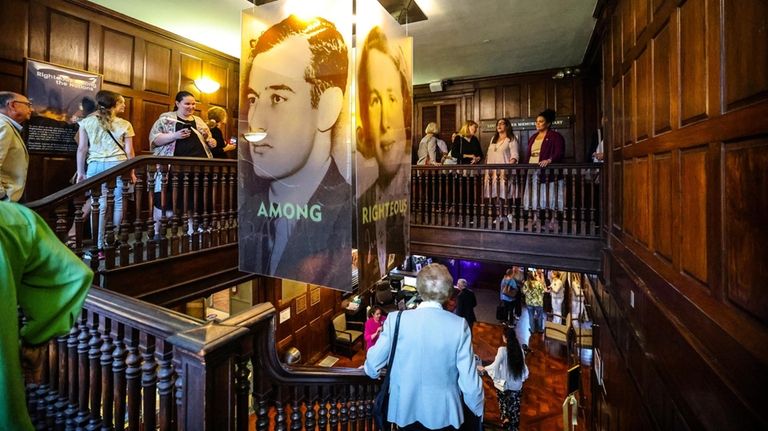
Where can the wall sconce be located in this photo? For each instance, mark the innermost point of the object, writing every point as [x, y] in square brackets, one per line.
[566, 72]
[206, 85]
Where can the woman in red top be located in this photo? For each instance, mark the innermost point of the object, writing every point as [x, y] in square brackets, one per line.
[373, 326]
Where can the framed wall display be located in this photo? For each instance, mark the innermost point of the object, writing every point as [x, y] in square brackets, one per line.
[56, 93]
[291, 289]
[314, 296]
[301, 304]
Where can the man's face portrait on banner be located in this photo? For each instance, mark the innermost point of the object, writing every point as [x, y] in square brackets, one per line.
[279, 103]
[295, 205]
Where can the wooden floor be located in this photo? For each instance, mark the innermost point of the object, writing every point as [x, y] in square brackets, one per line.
[543, 392]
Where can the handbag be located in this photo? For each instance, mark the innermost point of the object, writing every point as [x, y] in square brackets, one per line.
[381, 402]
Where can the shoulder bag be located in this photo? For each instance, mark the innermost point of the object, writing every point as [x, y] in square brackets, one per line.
[381, 402]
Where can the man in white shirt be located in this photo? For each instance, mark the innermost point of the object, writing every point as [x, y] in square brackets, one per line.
[14, 158]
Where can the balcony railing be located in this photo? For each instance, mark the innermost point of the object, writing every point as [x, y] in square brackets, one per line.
[561, 199]
[199, 196]
[127, 364]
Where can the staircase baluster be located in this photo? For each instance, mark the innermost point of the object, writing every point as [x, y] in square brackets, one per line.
[138, 226]
[105, 360]
[63, 388]
[83, 372]
[119, 356]
[179, 205]
[196, 245]
[583, 211]
[152, 226]
[132, 378]
[215, 188]
[206, 210]
[94, 376]
[165, 384]
[187, 223]
[148, 380]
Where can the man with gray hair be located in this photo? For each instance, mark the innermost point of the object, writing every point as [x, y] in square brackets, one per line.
[434, 363]
[14, 158]
[466, 302]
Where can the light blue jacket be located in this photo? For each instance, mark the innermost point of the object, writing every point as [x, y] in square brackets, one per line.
[434, 366]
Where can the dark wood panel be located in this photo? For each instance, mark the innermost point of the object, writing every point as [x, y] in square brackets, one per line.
[117, 57]
[14, 21]
[68, 40]
[640, 8]
[54, 174]
[693, 213]
[618, 116]
[627, 28]
[487, 103]
[617, 196]
[618, 51]
[745, 210]
[746, 51]
[629, 197]
[564, 97]
[664, 199]
[537, 98]
[512, 103]
[662, 53]
[151, 111]
[641, 210]
[693, 59]
[157, 69]
[643, 115]
[191, 69]
[628, 137]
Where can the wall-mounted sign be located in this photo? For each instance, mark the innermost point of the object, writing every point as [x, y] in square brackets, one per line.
[56, 94]
[530, 123]
[285, 315]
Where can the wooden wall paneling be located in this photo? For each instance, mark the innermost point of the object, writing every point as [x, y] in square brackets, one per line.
[564, 97]
[191, 68]
[627, 28]
[693, 58]
[744, 172]
[661, 91]
[693, 213]
[219, 74]
[537, 97]
[117, 57]
[617, 49]
[629, 108]
[68, 40]
[642, 208]
[150, 112]
[157, 69]
[487, 102]
[617, 124]
[14, 22]
[746, 52]
[663, 217]
[643, 67]
[617, 196]
[657, 5]
[640, 9]
[511, 101]
[38, 33]
[628, 197]
[449, 120]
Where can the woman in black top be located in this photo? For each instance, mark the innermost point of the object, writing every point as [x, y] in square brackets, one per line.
[466, 147]
[216, 117]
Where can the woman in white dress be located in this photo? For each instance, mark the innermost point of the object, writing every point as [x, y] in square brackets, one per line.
[503, 149]
[556, 288]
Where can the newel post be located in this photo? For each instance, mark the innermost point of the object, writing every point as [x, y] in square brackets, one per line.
[204, 362]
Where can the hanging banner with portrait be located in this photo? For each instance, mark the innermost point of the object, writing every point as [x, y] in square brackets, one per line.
[56, 93]
[384, 113]
[294, 154]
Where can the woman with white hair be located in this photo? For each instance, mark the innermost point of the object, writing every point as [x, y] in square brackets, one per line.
[434, 366]
[428, 146]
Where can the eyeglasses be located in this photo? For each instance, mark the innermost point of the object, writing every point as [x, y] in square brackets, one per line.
[29, 104]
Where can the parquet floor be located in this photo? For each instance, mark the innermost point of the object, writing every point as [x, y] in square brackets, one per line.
[543, 392]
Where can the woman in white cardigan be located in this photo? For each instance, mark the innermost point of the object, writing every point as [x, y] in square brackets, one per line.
[508, 372]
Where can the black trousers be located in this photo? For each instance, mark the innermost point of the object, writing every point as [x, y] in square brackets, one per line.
[417, 426]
